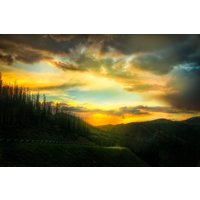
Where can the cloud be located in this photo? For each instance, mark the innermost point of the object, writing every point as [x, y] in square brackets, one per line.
[148, 109]
[156, 53]
[143, 87]
[65, 66]
[154, 62]
[185, 90]
[34, 48]
[121, 111]
[58, 87]
[43, 42]
[129, 44]
[77, 109]
[132, 110]
[60, 37]
[12, 52]
[6, 59]
[162, 61]
[126, 59]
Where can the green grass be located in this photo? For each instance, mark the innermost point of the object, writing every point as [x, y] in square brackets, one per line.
[61, 155]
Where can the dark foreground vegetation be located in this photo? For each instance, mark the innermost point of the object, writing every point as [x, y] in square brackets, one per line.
[24, 115]
[161, 142]
[34, 132]
[67, 155]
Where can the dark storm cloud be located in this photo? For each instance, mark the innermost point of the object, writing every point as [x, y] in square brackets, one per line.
[57, 44]
[44, 42]
[156, 53]
[33, 48]
[186, 86]
[19, 52]
[164, 60]
[155, 63]
[6, 59]
[129, 44]
[60, 37]
[30, 56]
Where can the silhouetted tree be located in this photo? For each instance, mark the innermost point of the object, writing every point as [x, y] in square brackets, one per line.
[21, 109]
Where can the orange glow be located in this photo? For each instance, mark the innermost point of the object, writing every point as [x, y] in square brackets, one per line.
[99, 91]
[102, 119]
[99, 119]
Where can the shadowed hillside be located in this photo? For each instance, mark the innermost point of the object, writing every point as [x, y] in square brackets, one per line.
[161, 142]
[25, 115]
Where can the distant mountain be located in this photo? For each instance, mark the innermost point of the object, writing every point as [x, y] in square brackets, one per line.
[161, 120]
[110, 126]
[193, 120]
[161, 142]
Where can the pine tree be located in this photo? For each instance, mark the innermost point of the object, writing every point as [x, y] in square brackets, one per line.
[20, 109]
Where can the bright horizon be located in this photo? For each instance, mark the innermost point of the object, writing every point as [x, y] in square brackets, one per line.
[108, 79]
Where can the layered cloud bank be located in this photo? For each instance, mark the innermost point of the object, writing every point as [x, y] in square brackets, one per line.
[109, 78]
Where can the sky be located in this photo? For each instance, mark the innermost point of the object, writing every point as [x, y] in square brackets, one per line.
[108, 79]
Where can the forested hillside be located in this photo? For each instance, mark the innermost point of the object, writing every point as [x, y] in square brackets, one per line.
[23, 114]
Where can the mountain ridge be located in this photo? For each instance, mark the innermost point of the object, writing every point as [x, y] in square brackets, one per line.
[159, 120]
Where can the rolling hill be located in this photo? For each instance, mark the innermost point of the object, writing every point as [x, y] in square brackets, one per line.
[161, 142]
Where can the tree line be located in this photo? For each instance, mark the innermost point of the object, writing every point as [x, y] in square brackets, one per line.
[21, 110]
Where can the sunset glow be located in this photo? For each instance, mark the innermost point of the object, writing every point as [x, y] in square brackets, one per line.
[108, 79]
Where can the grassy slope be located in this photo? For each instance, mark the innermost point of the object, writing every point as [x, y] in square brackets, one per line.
[66, 155]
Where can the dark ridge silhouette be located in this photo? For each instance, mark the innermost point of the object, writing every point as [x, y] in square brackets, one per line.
[161, 142]
[193, 120]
